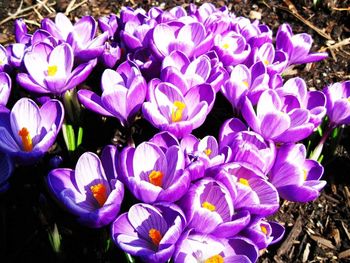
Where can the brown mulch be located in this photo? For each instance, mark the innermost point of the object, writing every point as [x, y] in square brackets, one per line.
[318, 231]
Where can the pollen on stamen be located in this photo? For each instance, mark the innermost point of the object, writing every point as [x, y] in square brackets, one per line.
[245, 83]
[51, 70]
[176, 114]
[209, 206]
[305, 174]
[215, 259]
[226, 46]
[266, 62]
[26, 139]
[244, 181]
[155, 236]
[156, 178]
[207, 152]
[99, 192]
[263, 229]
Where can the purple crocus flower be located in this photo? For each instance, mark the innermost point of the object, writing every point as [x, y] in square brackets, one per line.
[4, 61]
[206, 248]
[153, 175]
[263, 233]
[27, 131]
[231, 48]
[338, 107]
[246, 147]
[253, 192]
[50, 69]
[246, 82]
[209, 208]
[80, 36]
[5, 88]
[294, 93]
[172, 111]
[273, 122]
[92, 191]
[111, 54]
[297, 179]
[149, 232]
[206, 149]
[191, 39]
[275, 61]
[6, 168]
[124, 91]
[296, 46]
[109, 23]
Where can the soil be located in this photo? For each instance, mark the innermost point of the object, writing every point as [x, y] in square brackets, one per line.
[318, 231]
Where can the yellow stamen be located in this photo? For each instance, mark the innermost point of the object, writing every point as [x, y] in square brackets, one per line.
[155, 236]
[226, 46]
[348, 99]
[176, 114]
[266, 62]
[99, 192]
[156, 178]
[51, 70]
[207, 151]
[245, 83]
[263, 229]
[215, 259]
[209, 206]
[305, 174]
[244, 182]
[26, 139]
[2, 62]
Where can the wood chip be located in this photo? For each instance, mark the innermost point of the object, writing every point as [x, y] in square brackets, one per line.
[345, 229]
[293, 235]
[306, 252]
[344, 254]
[347, 195]
[336, 236]
[322, 241]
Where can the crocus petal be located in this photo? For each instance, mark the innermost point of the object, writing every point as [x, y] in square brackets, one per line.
[92, 102]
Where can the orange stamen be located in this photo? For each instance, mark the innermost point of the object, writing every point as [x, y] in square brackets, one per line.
[207, 151]
[99, 192]
[26, 139]
[155, 235]
[215, 259]
[156, 178]
[263, 229]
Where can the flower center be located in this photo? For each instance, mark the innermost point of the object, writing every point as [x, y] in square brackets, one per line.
[305, 174]
[26, 139]
[51, 70]
[244, 182]
[176, 114]
[245, 83]
[226, 46]
[266, 62]
[209, 206]
[155, 236]
[156, 178]
[99, 192]
[263, 229]
[207, 152]
[215, 259]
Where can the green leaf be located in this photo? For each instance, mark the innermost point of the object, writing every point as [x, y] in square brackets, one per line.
[55, 239]
[320, 132]
[335, 133]
[129, 258]
[69, 137]
[80, 136]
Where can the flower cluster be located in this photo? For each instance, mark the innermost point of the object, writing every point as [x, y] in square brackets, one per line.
[201, 199]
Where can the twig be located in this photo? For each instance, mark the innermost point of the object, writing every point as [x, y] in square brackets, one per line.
[48, 8]
[71, 8]
[20, 11]
[292, 10]
[341, 9]
[341, 43]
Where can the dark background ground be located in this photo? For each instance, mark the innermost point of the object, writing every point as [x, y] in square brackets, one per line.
[315, 232]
